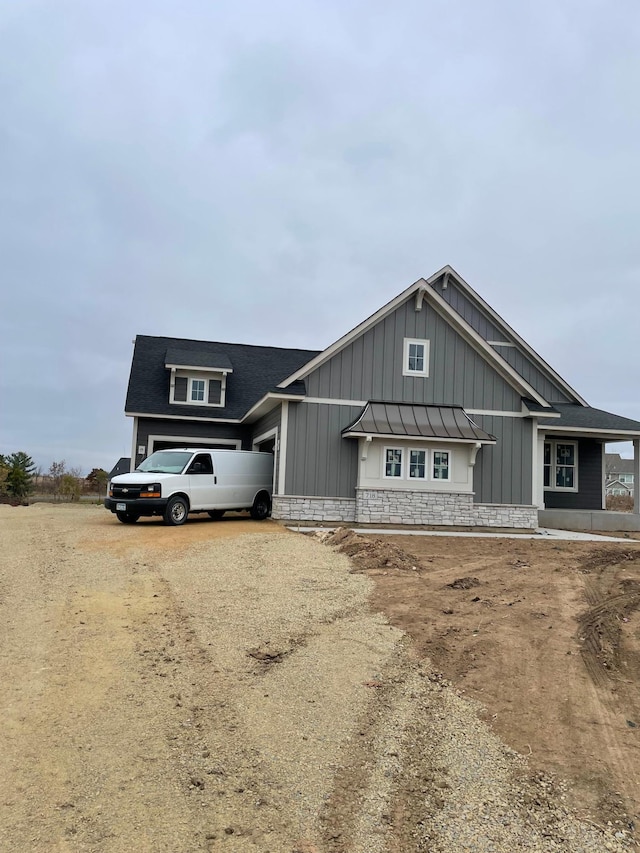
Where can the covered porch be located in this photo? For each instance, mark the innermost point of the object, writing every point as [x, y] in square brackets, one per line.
[571, 488]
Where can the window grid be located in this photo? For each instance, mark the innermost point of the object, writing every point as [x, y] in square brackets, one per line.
[415, 357]
[434, 465]
[440, 465]
[417, 464]
[393, 462]
[560, 466]
[197, 390]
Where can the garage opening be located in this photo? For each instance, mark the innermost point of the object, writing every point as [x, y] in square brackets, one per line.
[198, 445]
[267, 446]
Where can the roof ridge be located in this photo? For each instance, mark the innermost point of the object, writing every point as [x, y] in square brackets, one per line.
[227, 343]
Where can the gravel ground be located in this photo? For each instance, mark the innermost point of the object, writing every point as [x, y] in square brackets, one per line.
[225, 687]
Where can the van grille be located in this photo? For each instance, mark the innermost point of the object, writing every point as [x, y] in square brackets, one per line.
[127, 492]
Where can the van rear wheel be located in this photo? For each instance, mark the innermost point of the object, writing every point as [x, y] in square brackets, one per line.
[261, 507]
[176, 511]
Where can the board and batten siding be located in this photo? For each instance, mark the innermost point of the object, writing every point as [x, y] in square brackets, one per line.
[470, 311]
[503, 472]
[477, 318]
[320, 462]
[270, 421]
[371, 367]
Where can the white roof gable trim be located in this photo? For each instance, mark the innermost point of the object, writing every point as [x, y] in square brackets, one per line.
[423, 289]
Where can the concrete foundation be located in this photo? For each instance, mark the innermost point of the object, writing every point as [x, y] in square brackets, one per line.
[585, 519]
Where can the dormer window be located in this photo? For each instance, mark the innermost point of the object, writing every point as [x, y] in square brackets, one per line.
[197, 390]
[197, 378]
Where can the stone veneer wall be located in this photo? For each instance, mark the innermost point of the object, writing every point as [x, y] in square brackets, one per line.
[404, 506]
[313, 509]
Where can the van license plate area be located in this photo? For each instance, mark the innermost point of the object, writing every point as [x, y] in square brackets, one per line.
[121, 507]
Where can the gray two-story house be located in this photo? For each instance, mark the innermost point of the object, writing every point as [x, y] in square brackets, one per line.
[432, 411]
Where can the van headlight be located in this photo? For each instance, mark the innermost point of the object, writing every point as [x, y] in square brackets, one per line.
[154, 490]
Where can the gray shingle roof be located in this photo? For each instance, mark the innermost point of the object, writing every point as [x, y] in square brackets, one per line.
[410, 421]
[256, 370]
[210, 360]
[588, 418]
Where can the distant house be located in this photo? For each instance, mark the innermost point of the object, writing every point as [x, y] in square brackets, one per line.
[619, 475]
[431, 411]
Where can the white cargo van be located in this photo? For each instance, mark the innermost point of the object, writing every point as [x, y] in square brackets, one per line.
[173, 483]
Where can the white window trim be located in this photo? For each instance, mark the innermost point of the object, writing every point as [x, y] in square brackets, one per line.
[424, 450]
[386, 476]
[405, 464]
[192, 381]
[405, 357]
[552, 473]
[432, 453]
[194, 377]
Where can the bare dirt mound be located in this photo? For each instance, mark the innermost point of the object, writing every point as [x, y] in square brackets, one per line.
[369, 554]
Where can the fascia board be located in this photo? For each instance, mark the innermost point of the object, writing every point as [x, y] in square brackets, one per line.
[501, 323]
[508, 373]
[263, 406]
[358, 330]
[432, 438]
[155, 416]
[625, 434]
[172, 366]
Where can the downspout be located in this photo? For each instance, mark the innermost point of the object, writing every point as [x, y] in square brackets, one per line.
[636, 476]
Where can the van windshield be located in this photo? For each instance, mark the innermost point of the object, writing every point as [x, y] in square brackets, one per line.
[165, 462]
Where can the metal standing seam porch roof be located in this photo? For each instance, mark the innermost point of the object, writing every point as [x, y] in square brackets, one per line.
[402, 420]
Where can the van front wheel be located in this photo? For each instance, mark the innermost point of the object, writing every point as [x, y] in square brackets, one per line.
[127, 517]
[261, 507]
[176, 512]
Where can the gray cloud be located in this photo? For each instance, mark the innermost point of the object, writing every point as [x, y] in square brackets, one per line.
[237, 171]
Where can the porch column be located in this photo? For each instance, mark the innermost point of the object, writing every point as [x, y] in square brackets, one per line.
[636, 476]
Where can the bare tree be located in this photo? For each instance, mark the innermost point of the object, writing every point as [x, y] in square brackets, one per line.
[56, 473]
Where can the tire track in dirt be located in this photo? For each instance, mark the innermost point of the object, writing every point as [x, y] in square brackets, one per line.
[612, 594]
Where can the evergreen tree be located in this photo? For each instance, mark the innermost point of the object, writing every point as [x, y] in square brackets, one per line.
[20, 469]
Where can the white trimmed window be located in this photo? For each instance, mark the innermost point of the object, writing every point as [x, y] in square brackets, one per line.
[561, 466]
[417, 464]
[415, 357]
[197, 390]
[393, 462]
[414, 463]
[441, 469]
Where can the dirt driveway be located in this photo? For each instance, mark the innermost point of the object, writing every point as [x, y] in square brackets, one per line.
[226, 686]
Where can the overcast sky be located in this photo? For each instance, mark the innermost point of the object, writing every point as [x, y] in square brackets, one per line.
[273, 172]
